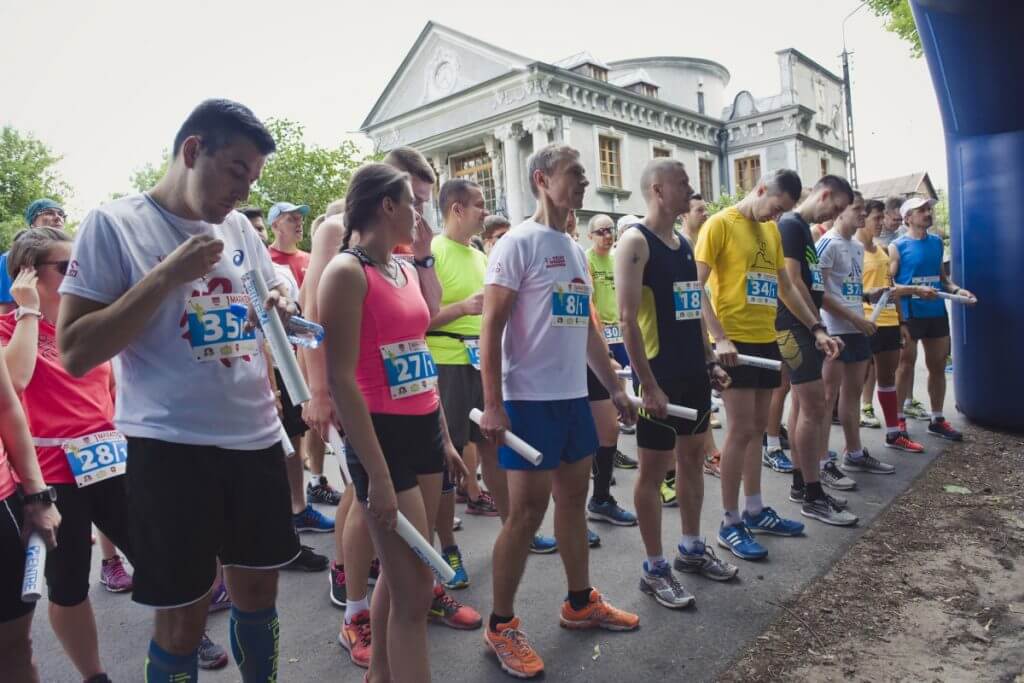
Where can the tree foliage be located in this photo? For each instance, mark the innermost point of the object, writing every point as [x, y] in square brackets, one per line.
[899, 20]
[27, 173]
[724, 201]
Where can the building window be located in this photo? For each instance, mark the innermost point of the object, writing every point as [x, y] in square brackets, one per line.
[824, 166]
[748, 173]
[644, 89]
[611, 161]
[478, 167]
[707, 185]
[661, 152]
[593, 71]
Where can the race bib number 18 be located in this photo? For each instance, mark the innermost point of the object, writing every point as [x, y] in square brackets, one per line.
[570, 305]
[409, 367]
[762, 289]
[97, 457]
[687, 299]
[214, 331]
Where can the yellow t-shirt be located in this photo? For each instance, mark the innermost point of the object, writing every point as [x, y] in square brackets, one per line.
[745, 257]
[875, 275]
[460, 270]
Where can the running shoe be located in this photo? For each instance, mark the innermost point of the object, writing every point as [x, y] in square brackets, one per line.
[593, 540]
[797, 496]
[609, 511]
[482, 506]
[736, 539]
[355, 637]
[457, 524]
[514, 653]
[901, 441]
[714, 422]
[211, 655]
[543, 545]
[448, 611]
[941, 428]
[834, 479]
[668, 493]
[597, 614]
[866, 463]
[114, 577]
[453, 556]
[705, 562]
[339, 592]
[312, 519]
[219, 600]
[307, 561]
[627, 429]
[623, 461]
[868, 419]
[713, 463]
[776, 460]
[661, 584]
[825, 510]
[371, 579]
[321, 492]
[916, 410]
[768, 522]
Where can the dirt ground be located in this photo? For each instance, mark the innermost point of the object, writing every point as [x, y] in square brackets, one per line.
[933, 591]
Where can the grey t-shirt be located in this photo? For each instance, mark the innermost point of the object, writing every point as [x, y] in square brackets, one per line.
[842, 266]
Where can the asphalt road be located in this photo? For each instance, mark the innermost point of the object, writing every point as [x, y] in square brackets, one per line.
[692, 645]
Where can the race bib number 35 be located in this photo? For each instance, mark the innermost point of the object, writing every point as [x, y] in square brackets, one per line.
[409, 367]
[762, 289]
[214, 331]
[97, 457]
[570, 305]
[686, 297]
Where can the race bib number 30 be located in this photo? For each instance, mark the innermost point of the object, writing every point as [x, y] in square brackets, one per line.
[613, 334]
[762, 289]
[473, 351]
[686, 296]
[97, 457]
[409, 367]
[214, 331]
[570, 305]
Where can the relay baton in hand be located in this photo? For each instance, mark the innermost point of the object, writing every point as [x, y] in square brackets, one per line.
[35, 562]
[879, 305]
[673, 410]
[758, 362]
[512, 441]
[273, 329]
[958, 298]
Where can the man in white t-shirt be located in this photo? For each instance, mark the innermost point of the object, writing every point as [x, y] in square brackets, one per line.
[150, 284]
[537, 294]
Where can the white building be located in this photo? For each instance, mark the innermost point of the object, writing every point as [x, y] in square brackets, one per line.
[477, 110]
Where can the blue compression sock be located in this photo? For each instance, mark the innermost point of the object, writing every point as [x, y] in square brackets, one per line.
[255, 639]
[163, 667]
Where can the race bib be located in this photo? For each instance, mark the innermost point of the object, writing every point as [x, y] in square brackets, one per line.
[409, 367]
[473, 351]
[214, 331]
[687, 297]
[97, 457]
[817, 283]
[570, 304]
[925, 281]
[853, 291]
[613, 334]
[762, 289]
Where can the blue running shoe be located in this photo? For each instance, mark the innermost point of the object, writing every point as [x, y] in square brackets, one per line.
[769, 522]
[453, 556]
[737, 539]
[543, 545]
[312, 519]
[593, 540]
[776, 459]
[609, 511]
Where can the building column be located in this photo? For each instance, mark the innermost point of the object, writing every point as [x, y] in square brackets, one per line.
[510, 134]
[540, 126]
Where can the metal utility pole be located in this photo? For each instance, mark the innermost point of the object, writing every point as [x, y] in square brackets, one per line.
[852, 157]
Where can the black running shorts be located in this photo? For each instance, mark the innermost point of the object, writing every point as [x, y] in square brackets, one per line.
[928, 328]
[692, 392]
[886, 339]
[749, 377]
[801, 355]
[412, 446]
[12, 561]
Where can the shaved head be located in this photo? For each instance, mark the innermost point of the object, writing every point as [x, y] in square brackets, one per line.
[656, 171]
[598, 221]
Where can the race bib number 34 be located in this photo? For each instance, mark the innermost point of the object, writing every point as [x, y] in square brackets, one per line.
[762, 289]
[97, 457]
[686, 297]
[214, 331]
[409, 367]
[570, 305]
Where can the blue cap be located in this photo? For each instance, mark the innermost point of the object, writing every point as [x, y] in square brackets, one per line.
[285, 207]
[40, 205]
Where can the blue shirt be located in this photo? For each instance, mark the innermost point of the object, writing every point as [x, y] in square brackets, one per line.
[921, 265]
[5, 281]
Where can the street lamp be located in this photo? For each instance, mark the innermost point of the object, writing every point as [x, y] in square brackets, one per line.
[852, 158]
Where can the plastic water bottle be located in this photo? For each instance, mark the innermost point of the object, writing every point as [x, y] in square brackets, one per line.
[301, 332]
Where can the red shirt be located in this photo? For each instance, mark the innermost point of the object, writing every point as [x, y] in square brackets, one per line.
[59, 406]
[298, 262]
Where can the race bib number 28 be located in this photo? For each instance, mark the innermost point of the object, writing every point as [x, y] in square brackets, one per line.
[97, 457]
[409, 367]
[570, 305]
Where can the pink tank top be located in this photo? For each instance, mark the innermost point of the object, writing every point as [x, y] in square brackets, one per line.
[396, 372]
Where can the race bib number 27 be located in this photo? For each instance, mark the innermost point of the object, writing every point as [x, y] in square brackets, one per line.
[409, 367]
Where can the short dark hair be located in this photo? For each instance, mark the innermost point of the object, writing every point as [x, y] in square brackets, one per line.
[873, 205]
[251, 212]
[366, 190]
[835, 185]
[218, 121]
[410, 161]
[31, 246]
[893, 203]
[784, 181]
[697, 195]
[494, 223]
[454, 191]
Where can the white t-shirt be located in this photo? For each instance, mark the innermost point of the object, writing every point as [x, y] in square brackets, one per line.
[544, 348]
[844, 261]
[163, 391]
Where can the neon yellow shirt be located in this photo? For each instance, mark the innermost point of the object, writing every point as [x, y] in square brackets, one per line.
[602, 272]
[460, 270]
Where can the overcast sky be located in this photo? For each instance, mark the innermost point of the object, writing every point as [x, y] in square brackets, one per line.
[107, 84]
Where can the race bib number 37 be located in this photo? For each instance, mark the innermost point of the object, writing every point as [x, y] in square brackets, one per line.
[409, 367]
[686, 296]
[853, 291]
[214, 331]
[97, 457]
[570, 305]
[762, 289]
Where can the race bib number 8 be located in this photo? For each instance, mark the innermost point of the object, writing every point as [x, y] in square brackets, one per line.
[570, 305]
[409, 367]
[215, 332]
[687, 297]
[762, 289]
[97, 457]
[473, 351]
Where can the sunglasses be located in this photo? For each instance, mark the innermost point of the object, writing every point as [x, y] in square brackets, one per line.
[62, 266]
[604, 232]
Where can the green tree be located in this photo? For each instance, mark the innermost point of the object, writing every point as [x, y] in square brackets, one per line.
[145, 177]
[27, 172]
[724, 201]
[900, 20]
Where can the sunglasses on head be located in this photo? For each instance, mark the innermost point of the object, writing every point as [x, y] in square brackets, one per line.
[62, 266]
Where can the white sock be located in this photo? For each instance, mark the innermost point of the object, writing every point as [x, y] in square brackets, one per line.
[653, 561]
[753, 504]
[856, 455]
[732, 517]
[774, 443]
[354, 607]
[937, 415]
[687, 542]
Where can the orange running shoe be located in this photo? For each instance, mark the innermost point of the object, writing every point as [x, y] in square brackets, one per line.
[598, 614]
[355, 637]
[901, 441]
[514, 653]
[713, 463]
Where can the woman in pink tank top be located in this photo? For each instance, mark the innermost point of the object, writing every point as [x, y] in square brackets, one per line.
[383, 382]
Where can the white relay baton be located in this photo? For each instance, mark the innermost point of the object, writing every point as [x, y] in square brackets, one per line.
[35, 563]
[758, 362]
[408, 533]
[512, 441]
[624, 373]
[273, 329]
[286, 442]
[673, 410]
[879, 305]
[958, 298]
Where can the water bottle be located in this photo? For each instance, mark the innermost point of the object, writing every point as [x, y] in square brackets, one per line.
[301, 332]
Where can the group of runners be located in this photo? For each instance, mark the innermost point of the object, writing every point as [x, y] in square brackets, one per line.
[181, 465]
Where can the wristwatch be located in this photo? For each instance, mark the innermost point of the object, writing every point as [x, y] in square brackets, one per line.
[47, 496]
[22, 311]
[818, 326]
[424, 263]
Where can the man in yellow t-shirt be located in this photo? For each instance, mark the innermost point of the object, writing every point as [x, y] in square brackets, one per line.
[739, 252]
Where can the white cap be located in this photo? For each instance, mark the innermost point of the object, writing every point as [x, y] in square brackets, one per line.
[626, 221]
[914, 203]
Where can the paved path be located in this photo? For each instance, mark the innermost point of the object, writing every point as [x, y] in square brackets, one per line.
[690, 645]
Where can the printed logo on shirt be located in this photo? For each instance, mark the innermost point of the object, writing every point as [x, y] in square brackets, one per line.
[72, 269]
[238, 257]
[554, 261]
[761, 259]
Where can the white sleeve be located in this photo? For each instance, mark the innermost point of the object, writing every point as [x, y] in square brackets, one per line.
[506, 266]
[827, 255]
[99, 268]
